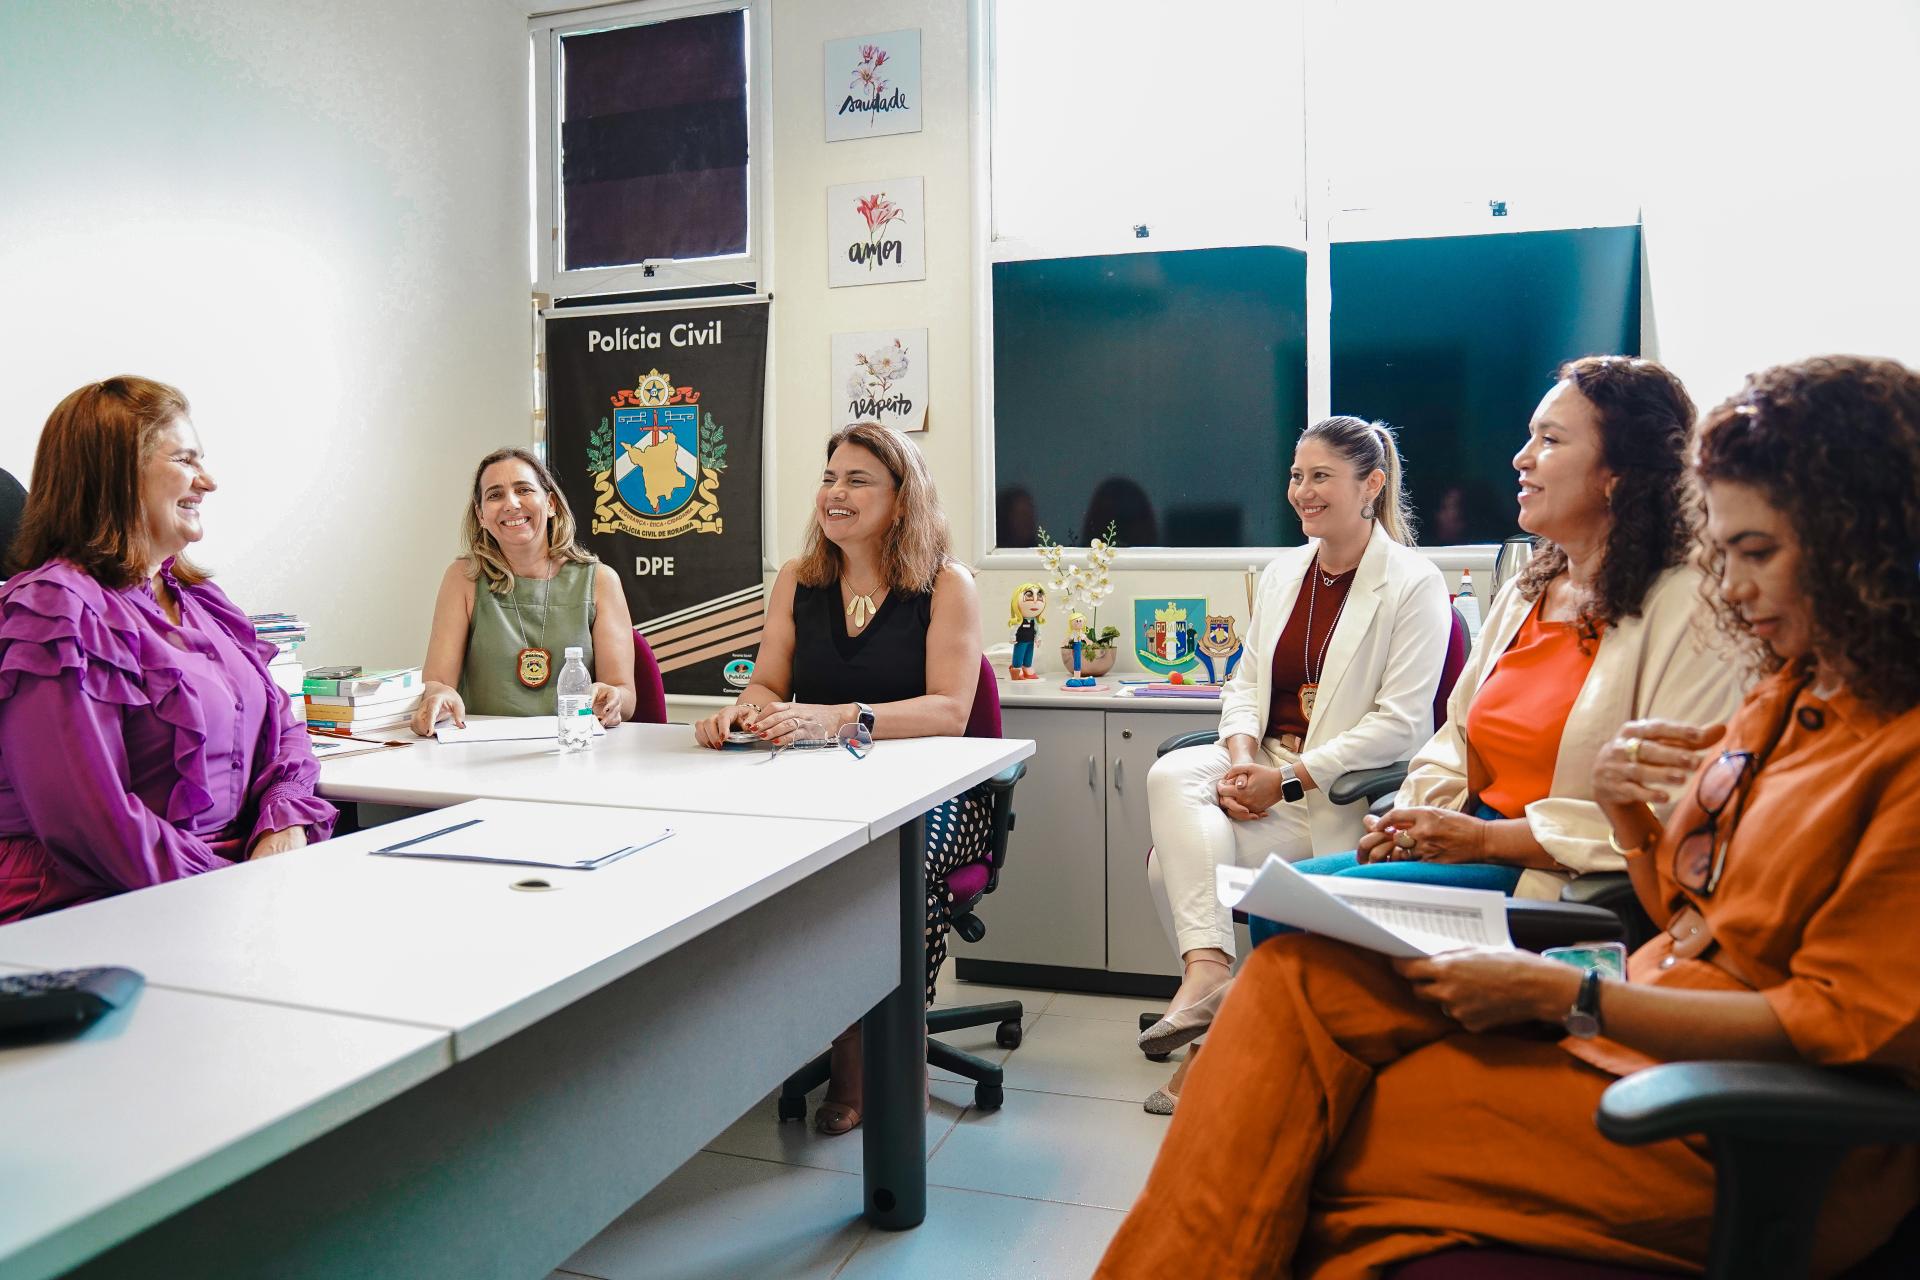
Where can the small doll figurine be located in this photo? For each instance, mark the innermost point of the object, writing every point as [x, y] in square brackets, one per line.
[1025, 612]
[1077, 637]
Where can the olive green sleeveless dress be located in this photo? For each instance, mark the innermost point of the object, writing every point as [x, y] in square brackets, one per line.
[551, 614]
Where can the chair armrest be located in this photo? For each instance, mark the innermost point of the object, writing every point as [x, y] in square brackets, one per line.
[1198, 738]
[1536, 925]
[1778, 1131]
[1613, 891]
[1368, 784]
[1606, 889]
[1002, 782]
[1778, 1102]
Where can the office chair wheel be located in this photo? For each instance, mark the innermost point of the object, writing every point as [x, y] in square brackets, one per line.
[792, 1108]
[1008, 1035]
[988, 1097]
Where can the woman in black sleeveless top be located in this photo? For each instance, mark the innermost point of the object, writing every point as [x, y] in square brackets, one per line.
[874, 623]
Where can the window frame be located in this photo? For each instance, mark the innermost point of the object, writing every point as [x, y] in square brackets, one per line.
[1325, 220]
[551, 277]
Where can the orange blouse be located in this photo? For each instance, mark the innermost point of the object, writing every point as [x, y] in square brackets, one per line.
[1816, 903]
[1517, 715]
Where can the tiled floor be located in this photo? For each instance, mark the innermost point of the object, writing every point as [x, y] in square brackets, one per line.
[1035, 1189]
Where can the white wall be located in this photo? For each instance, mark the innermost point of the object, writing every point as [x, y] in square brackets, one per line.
[312, 218]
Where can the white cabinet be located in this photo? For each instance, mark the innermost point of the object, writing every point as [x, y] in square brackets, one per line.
[1051, 906]
[1074, 894]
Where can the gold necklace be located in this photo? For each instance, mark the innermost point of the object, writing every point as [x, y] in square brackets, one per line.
[861, 608]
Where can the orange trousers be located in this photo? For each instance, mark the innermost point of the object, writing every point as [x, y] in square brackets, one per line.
[1336, 1125]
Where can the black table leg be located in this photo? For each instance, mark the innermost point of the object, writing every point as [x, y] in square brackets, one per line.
[894, 1039]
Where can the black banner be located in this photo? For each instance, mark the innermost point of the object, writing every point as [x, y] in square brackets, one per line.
[654, 432]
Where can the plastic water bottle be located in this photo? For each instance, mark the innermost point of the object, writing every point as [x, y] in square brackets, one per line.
[576, 704]
[1468, 606]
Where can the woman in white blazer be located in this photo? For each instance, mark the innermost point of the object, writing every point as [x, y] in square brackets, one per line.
[1603, 488]
[1366, 625]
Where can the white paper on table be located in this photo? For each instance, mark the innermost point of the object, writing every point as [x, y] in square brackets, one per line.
[1387, 916]
[507, 729]
[581, 838]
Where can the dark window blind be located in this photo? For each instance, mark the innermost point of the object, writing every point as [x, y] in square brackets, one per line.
[654, 141]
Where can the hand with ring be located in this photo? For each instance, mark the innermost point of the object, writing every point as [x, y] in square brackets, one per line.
[1648, 759]
[1423, 833]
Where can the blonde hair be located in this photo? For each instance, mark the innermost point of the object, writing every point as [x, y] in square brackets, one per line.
[1371, 447]
[916, 547]
[1013, 606]
[485, 559]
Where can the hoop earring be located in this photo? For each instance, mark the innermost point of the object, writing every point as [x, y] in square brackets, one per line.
[1366, 511]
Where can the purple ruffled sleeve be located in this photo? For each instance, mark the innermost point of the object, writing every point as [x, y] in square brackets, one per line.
[285, 772]
[64, 676]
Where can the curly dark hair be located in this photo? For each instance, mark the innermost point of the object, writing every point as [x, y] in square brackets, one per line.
[1645, 414]
[1833, 444]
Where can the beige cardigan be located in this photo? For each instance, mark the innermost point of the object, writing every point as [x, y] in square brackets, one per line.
[1383, 663]
[1660, 664]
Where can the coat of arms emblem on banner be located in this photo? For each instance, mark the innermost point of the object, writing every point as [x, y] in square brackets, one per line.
[656, 462]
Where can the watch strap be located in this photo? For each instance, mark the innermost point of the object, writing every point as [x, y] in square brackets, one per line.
[1292, 790]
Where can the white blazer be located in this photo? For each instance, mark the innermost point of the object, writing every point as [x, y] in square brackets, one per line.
[1375, 703]
[1662, 663]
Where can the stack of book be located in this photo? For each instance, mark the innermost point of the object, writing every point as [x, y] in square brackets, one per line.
[355, 704]
[285, 632]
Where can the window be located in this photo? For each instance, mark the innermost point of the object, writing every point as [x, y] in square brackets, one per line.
[645, 128]
[1228, 222]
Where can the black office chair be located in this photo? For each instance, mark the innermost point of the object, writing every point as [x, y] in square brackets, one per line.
[1778, 1130]
[968, 885]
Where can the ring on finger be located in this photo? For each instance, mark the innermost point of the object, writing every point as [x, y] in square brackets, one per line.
[1404, 839]
[1633, 751]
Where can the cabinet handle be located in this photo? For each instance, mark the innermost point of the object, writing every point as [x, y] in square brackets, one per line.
[1126, 733]
[1093, 774]
[1118, 765]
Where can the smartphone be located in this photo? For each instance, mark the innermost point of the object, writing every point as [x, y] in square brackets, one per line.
[1608, 957]
[742, 740]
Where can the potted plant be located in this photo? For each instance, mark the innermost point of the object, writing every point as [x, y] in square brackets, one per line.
[1083, 587]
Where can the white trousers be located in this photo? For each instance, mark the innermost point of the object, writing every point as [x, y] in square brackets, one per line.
[1192, 835]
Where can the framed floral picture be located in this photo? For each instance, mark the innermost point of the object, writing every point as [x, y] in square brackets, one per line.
[876, 232]
[872, 85]
[880, 377]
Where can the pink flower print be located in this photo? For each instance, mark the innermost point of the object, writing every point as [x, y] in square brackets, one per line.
[866, 76]
[878, 211]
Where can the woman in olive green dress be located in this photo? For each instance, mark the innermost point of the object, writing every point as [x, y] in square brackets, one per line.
[498, 652]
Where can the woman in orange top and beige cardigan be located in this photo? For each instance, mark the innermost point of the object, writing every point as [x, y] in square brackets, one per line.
[1352, 1112]
[1605, 625]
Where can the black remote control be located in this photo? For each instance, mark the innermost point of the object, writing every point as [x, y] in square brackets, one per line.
[63, 998]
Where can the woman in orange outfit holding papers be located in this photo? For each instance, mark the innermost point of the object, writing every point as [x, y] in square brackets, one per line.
[1352, 1112]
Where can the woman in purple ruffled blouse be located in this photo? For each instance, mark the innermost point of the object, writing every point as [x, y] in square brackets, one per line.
[141, 738]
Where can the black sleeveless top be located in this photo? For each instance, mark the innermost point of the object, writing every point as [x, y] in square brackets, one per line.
[887, 662]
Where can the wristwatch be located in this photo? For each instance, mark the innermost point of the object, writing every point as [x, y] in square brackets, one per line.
[1291, 789]
[864, 714]
[1583, 1020]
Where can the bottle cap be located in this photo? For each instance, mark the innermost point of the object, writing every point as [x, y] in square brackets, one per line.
[573, 651]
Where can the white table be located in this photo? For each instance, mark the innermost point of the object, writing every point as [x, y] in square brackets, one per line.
[150, 1110]
[571, 1047]
[447, 945]
[659, 766]
[651, 766]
